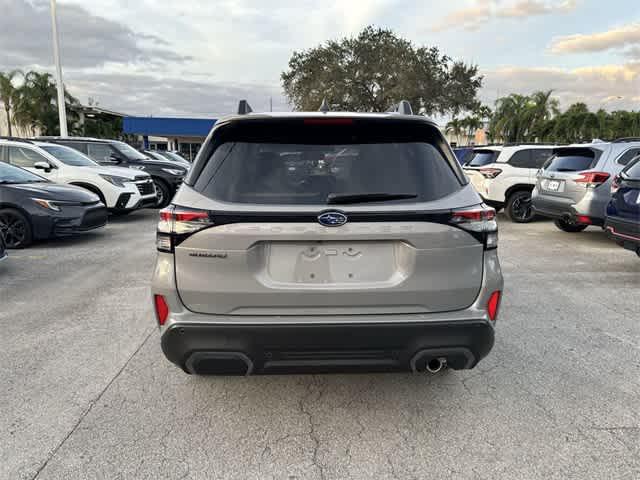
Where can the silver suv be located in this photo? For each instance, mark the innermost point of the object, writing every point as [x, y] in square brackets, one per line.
[574, 186]
[326, 242]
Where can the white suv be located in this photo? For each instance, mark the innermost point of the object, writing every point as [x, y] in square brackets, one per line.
[122, 190]
[505, 176]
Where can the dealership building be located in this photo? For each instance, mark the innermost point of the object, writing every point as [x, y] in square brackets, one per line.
[184, 135]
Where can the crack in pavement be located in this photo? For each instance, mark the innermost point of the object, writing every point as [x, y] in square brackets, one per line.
[312, 427]
[91, 405]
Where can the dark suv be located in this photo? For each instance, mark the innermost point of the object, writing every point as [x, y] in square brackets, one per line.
[166, 175]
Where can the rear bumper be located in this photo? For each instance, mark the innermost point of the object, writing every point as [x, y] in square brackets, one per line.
[275, 349]
[566, 208]
[624, 233]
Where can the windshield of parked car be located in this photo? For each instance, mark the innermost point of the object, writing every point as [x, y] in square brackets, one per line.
[173, 156]
[129, 152]
[11, 174]
[480, 158]
[313, 171]
[69, 156]
[571, 160]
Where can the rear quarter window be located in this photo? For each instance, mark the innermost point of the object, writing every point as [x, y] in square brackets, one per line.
[633, 170]
[303, 165]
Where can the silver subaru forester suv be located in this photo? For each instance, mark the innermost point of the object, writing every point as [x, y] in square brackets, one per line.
[574, 186]
[326, 242]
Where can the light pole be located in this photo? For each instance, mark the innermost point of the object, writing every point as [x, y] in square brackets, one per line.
[62, 108]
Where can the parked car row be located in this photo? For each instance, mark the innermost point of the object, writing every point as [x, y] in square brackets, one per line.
[68, 185]
[572, 184]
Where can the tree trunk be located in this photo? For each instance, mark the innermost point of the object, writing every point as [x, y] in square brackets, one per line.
[7, 110]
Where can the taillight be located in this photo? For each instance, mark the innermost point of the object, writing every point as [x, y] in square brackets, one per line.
[162, 309]
[583, 220]
[177, 223]
[479, 220]
[592, 179]
[493, 304]
[615, 185]
[490, 172]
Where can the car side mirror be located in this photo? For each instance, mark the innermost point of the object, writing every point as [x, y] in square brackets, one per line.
[43, 166]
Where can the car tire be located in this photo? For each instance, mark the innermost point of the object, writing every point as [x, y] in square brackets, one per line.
[518, 207]
[569, 227]
[15, 228]
[164, 194]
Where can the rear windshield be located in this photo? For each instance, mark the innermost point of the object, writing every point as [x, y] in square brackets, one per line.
[571, 160]
[310, 170]
[481, 158]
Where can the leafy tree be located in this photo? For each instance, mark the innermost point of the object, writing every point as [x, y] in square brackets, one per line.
[36, 107]
[377, 69]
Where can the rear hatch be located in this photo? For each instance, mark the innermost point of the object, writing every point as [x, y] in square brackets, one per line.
[557, 179]
[315, 217]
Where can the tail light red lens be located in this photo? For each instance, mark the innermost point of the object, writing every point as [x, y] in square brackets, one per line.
[493, 305]
[490, 172]
[177, 223]
[480, 221]
[583, 219]
[592, 179]
[162, 309]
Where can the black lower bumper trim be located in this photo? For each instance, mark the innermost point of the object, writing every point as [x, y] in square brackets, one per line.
[273, 349]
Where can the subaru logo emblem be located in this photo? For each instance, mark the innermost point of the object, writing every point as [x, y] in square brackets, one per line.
[332, 219]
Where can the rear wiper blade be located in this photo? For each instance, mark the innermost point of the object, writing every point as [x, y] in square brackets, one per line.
[346, 198]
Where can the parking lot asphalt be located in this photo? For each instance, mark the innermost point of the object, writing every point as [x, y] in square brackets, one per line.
[85, 392]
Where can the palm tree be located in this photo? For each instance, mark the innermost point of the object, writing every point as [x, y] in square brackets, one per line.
[8, 94]
[455, 127]
[471, 125]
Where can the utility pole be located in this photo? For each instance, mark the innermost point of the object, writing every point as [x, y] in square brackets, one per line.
[62, 108]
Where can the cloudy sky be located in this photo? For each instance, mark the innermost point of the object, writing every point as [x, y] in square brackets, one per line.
[198, 57]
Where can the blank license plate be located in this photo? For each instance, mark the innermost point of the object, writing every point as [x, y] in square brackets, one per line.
[553, 185]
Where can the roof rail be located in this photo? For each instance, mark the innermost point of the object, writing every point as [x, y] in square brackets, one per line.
[403, 107]
[244, 108]
[626, 139]
[517, 144]
[16, 139]
[324, 107]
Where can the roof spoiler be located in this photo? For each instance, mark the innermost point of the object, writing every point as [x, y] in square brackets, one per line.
[403, 107]
[244, 108]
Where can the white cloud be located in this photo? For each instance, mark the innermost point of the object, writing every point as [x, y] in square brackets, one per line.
[615, 38]
[597, 86]
[481, 12]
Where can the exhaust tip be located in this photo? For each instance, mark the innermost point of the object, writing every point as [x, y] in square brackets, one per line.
[434, 365]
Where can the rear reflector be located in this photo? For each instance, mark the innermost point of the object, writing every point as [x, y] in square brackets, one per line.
[583, 219]
[493, 304]
[162, 309]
